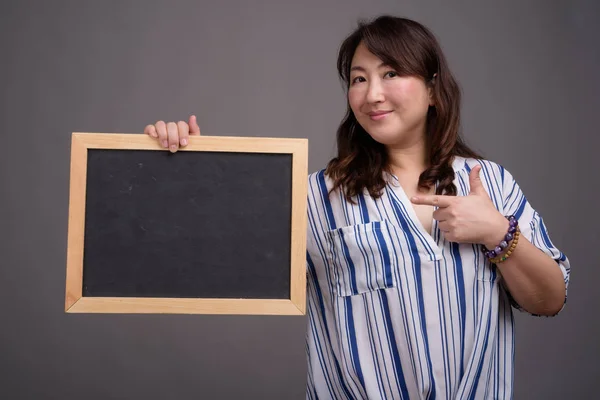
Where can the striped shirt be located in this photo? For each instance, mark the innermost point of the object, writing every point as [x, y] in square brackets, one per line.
[395, 312]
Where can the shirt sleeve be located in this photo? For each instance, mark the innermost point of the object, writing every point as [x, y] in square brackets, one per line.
[532, 227]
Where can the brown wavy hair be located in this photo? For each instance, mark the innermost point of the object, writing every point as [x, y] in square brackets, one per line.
[412, 50]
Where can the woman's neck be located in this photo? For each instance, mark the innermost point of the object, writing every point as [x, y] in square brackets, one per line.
[408, 160]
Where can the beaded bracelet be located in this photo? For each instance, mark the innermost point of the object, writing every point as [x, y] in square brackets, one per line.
[504, 257]
[512, 235]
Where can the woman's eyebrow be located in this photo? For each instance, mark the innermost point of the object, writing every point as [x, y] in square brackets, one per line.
[359, 68]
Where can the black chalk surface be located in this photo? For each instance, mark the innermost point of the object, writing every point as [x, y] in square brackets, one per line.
[187, 225]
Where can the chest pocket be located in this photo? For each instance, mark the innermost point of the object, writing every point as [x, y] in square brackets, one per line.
[364, 257]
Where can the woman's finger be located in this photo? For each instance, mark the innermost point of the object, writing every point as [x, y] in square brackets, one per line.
[173, 137]
[161, 131]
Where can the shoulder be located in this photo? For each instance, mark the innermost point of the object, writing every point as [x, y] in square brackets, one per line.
[467, 164]
[497, 180]
[319, 186]
[319, 181]
[324, 203]
[316, 177]
[491, 171]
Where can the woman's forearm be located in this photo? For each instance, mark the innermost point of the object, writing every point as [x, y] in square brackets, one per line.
[534, 279]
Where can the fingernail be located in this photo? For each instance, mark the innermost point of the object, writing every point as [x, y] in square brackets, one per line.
[184, 142]
[414, 199]
[173, 148]
[165, 144]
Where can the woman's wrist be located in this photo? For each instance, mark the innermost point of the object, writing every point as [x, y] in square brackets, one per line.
[505, 246]
[498, 233]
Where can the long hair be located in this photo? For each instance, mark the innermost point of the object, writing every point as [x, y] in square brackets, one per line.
[412, 50]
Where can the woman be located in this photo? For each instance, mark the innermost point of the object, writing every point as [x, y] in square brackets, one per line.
[417, 247]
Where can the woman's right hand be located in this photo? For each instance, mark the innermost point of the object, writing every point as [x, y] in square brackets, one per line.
[171, 135]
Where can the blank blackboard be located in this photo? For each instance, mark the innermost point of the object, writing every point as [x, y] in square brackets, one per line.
[218, 227]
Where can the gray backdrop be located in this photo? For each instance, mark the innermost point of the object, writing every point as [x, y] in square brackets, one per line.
[528, 70]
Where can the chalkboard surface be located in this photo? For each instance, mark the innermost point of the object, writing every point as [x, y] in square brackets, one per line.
[204, 225]
[190, 224]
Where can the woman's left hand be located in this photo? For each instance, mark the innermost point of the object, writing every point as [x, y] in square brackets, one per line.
[468, 219]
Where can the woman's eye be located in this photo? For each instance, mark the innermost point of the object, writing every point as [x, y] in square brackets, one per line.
[391, 74]
[358, 79]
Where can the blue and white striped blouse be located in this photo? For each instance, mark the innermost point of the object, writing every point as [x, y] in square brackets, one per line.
[395, 312]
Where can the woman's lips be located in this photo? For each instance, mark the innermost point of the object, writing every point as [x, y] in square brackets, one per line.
[378, 115]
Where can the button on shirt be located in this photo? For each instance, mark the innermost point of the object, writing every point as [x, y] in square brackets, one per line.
[395, 312]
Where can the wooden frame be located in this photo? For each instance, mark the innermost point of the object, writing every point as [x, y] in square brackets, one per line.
[76, 303]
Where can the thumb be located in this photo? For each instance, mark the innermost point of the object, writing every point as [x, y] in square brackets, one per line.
[475, 181]
[194, 128]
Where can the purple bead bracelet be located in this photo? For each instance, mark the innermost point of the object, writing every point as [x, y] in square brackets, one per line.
[512, 228]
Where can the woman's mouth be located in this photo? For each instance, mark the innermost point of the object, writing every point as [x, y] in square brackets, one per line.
[378, 115]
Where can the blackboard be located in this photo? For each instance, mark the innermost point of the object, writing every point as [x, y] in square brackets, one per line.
[218, 227]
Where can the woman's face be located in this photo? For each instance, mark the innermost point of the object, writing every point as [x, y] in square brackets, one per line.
[391, 108]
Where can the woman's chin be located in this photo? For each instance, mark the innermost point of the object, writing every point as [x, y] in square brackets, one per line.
[388, 139]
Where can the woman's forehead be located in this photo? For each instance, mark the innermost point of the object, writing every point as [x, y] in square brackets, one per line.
[363, 59]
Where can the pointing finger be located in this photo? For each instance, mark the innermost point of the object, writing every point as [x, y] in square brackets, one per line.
[433, 200]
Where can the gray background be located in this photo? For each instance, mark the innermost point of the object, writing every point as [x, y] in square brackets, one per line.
[528, 70]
